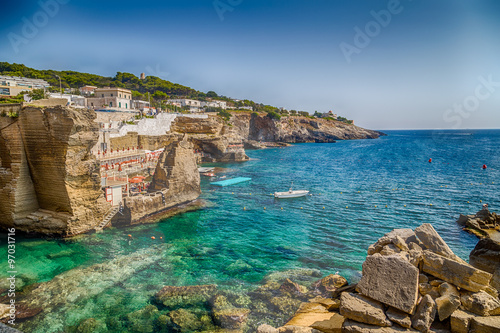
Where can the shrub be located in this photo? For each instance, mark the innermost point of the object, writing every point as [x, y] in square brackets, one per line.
[273, 115]
[226, 115]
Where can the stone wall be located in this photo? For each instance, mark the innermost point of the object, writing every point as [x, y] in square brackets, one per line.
[6, 108]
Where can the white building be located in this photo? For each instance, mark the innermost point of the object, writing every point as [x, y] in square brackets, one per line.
[140, 105]
[194, 105]
[74, 100]
[215, 104]
[13, 85]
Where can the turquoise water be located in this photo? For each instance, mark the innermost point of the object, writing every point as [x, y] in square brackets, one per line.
[234, 242]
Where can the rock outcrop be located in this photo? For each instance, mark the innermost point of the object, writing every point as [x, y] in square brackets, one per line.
[420, 285]
[49, 181]
[481, 223]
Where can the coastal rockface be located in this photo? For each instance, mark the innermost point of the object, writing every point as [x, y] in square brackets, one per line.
[411, 282]
[49, 181]
[224, 140]
[176, 181]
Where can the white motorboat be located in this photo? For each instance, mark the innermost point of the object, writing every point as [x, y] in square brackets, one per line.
[291, 193]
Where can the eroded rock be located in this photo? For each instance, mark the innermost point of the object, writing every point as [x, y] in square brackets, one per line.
[363, 309]
[480, 303]
[390, 280]
[460, 274]
[424, 315]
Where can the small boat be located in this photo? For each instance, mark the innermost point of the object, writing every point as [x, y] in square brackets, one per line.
[291, 193]
[209, 174]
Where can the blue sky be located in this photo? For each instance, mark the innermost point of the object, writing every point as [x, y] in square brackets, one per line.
[423, 64]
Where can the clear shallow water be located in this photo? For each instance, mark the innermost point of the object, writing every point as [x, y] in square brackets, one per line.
[235, 242]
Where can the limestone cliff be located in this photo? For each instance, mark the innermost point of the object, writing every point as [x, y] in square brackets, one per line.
[176, 181]
[218, 141]
[178, 173]
[49, 181]
[259, 127]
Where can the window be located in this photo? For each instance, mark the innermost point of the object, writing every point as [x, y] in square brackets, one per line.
[120, 95]
[111, 94]
[102, 95]
[110, 103]
[91, 104]
[120, 104]
[126, 105]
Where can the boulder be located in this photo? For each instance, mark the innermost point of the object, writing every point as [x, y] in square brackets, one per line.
[264, 328]
[432, 241]
[460, 274]
[227, 316]
[480, 303]
[310, 313]
[399, 317]
[446, 305]
[460, 321]
[486, 255]
[407, 235]
[332, 325]
[329, 284]
[231, 318]
[448, 302]
[424, 315]
[329, 303]
[390, 280]
[291, 287]
[363, 309]
[485, 324]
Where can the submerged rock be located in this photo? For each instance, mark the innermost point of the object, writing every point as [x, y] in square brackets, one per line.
[172, 296]
[327, 285]
[185, 321]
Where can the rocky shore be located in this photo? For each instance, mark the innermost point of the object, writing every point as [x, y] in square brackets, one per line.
[411, 281]
[483, 224]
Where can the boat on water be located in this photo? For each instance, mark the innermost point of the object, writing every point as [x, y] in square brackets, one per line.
[291, 193]
[209, 174]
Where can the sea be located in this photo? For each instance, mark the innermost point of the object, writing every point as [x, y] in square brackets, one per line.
[359, 190]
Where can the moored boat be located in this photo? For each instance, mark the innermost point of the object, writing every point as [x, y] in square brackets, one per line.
[291, 193]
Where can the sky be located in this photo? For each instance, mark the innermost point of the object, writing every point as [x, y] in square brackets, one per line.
[386, 64]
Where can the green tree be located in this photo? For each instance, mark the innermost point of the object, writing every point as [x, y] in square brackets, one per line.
[36, 94]
[212, 94]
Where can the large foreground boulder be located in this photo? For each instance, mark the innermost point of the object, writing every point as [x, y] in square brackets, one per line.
[390, 280]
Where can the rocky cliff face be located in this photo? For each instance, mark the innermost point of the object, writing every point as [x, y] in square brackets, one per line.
[178, 173]
[217, 140]
[49, 179]
[221, 140]
[297, 129]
